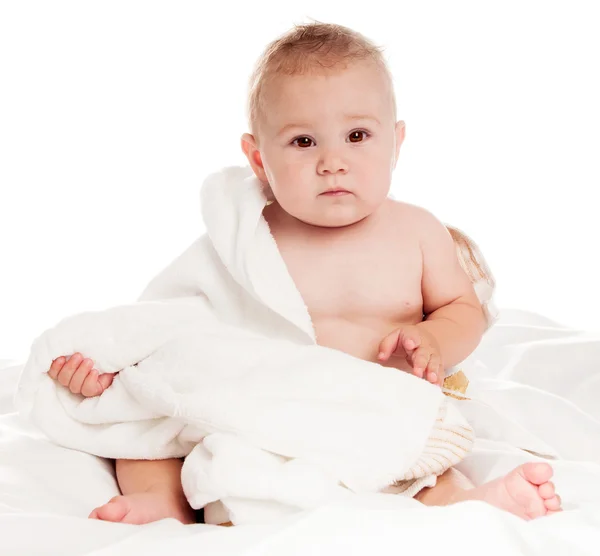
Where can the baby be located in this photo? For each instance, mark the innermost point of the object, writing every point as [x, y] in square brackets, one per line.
[380, 278]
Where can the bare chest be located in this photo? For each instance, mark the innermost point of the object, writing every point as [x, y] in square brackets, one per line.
[356, 278]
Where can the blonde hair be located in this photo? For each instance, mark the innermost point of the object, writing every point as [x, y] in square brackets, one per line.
[310, 48]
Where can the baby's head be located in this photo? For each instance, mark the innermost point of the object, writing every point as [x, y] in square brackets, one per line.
[322, 115]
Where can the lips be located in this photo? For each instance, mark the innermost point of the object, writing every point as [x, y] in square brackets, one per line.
[336, 192]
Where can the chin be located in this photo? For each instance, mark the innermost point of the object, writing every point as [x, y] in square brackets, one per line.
[333, 220]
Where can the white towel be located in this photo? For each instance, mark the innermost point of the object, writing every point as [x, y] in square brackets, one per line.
[218, 362]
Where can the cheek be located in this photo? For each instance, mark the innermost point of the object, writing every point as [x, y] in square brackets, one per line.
[280, 159]
[376, 162]
[285, 174]
[294, 159]
[376, 153]
[377, 173]
[274, 165]
[291, 168]
[385, 164]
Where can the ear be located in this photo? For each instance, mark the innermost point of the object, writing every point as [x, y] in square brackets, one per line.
[250, 149]
[400, 133]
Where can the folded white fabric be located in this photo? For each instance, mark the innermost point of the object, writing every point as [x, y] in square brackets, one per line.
[218, 362]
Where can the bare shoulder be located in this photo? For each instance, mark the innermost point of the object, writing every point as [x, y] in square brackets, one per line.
[421, 222]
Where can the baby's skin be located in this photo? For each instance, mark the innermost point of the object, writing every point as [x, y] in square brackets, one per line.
[153, 500]
[526, 491]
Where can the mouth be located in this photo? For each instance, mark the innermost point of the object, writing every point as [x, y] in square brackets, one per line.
[336, 192]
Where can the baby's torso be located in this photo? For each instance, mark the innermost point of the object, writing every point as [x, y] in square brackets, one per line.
[360, 284]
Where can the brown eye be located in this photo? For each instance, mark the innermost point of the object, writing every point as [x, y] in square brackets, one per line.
[354, 135]
[302, 142]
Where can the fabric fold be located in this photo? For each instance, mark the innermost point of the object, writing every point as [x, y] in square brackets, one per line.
[218, 363]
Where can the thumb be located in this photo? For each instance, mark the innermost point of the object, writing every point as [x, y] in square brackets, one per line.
[410, 339]
[388, 345]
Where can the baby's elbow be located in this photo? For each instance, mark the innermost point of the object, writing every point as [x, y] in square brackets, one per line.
[480, 317]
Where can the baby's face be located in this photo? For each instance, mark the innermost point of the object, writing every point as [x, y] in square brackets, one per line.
[333, 131]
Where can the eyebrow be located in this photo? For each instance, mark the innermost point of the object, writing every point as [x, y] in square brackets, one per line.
[347, 118]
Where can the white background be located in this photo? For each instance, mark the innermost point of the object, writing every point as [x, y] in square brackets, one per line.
[113, 112]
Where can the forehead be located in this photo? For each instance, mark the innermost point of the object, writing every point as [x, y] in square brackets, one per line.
[357, 89]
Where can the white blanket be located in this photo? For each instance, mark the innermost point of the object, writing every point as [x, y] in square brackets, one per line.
[535, 383]
[218, 362]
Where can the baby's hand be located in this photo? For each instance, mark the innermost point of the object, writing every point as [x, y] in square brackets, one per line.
[419, 348]
[77, 374]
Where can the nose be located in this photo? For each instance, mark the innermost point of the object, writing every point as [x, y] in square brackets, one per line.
[331, 162]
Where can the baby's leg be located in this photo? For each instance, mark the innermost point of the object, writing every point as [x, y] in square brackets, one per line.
[151, 491]
[446, 488]
[526, 491]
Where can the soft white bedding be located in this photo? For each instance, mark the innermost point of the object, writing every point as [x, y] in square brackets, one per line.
[538, 382]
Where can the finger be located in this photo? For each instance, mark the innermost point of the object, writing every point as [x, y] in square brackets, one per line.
[553, 504]
[80, 375]
[547, 490]
[106, 380]
[437, 377]
[388, 345]
[93, 515]
[91, 386]
[411, 339]
[432, 371]
[420, 360]
[64, 377]
[56, 366]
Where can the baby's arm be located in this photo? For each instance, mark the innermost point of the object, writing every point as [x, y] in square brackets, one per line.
[453, 313]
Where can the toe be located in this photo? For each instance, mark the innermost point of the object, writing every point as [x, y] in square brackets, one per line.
[546, 490]
[553, 504]
[115, 510]
[537, 473]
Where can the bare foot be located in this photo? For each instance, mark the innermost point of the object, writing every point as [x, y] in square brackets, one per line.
[144, 507]
[526, 492]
